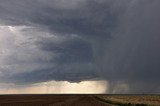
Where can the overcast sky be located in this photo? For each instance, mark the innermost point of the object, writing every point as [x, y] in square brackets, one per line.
[115, 43]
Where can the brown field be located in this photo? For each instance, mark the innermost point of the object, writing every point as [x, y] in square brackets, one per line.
[50, 100]
[79, 100]
[135, 100]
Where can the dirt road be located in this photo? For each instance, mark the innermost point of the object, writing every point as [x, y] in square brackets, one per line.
[50, 100]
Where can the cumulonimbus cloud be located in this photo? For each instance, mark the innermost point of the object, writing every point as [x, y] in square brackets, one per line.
[76, 40]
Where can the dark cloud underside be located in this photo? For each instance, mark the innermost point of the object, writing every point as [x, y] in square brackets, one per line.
[97, 39]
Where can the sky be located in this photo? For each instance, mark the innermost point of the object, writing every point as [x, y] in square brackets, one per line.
[68, 46]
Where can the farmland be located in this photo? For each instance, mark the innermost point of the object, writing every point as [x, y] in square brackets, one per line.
[79, 100]
[50, 100]
[135, 100]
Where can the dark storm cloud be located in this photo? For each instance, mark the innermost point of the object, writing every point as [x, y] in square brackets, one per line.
[115, 40]
[48, 74]
[64, 21]
[74, 50]
[89, 18]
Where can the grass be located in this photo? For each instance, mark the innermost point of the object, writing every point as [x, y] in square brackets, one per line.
[120, 103]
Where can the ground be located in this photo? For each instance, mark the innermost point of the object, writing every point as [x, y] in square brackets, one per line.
[50, 100]
[79, 100]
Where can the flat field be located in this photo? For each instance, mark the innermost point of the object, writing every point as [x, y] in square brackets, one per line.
[50, 100]
[131, 100]
[79, 100]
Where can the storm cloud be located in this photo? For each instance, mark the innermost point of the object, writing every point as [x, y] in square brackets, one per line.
[78, 40]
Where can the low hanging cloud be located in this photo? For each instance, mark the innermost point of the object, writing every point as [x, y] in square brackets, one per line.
[77, 40]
